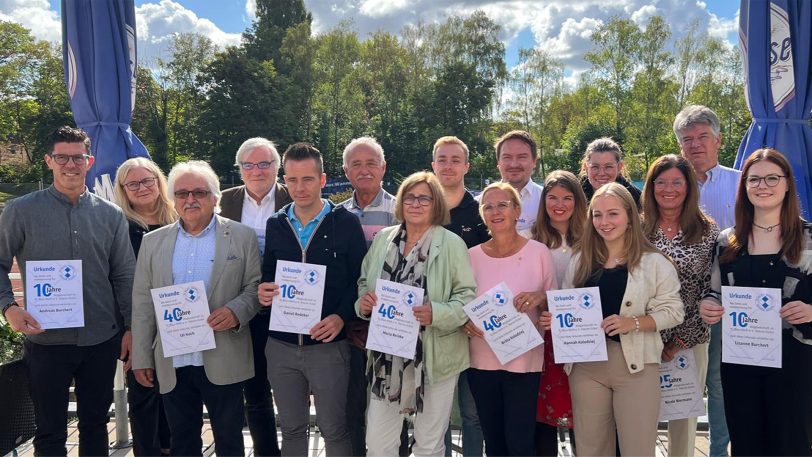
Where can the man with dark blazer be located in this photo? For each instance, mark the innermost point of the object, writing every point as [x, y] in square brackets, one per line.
[252, 204]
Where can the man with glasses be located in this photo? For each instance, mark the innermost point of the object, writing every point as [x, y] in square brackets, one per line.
[699, 136]
[68, 222]
[252, 204]
[200, 246]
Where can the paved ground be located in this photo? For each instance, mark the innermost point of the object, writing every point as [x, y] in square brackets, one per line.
[317, 445]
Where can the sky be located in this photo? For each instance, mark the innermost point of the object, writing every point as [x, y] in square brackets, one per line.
[562, 27]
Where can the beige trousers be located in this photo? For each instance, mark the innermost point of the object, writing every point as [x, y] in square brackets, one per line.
[607, 398]
[682, 432]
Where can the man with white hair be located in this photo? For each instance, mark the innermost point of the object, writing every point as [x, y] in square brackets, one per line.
[364, 166]
[252, 204]
[200, 246]
[699, 136]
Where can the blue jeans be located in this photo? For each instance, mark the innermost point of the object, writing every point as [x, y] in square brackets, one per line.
[472, 438]
[719, 438]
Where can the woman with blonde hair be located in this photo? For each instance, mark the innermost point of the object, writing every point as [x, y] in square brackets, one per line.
[419, 253]
[676, 226]
[770, 246]
[141, 192]
[639, 293]
[504, 393]
[561, 216]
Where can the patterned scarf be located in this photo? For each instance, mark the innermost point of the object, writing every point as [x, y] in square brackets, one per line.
[395, 378]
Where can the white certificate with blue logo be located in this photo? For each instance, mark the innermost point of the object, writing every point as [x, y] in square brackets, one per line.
[297, 308]
[181, 312]
[576, 327]
[53, 293]
[508, 332]
[393, 329]
[751, 326]
[680, 391]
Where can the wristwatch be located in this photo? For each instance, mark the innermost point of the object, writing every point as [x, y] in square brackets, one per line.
[6, 307]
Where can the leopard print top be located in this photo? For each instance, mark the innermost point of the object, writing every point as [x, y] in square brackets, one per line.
[693, 264]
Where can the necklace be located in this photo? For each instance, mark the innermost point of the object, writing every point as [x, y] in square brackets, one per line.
[767, 229]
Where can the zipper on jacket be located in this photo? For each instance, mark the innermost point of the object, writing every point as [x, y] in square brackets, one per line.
[304, 250]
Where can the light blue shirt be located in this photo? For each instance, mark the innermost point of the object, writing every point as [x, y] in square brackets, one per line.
[192, 261]
[305, 232]
[717, 195]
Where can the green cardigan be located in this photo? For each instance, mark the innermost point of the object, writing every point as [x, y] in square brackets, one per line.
[451, 285]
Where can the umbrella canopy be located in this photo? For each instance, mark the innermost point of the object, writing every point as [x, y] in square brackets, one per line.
[776, 39]
[99, 58]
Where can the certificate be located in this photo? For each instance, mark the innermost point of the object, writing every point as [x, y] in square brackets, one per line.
[751, 326]
[181, 312]
[53, 293]
[680, 391]
[393, 328]
[297, 308]
[508, 332]
[576, 327]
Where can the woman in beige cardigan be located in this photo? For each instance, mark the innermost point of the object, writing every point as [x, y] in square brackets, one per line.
[639, 293]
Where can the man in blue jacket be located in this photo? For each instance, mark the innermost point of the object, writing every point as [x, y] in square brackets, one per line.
[312, 230]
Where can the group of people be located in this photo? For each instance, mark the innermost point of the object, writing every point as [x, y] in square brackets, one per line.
[659, 256]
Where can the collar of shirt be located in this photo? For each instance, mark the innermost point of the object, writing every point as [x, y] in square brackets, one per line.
[530, 189]
[374, 204]
[268, 199]
[304, 232]
[713, 173]
[63, 198]
[202, 233]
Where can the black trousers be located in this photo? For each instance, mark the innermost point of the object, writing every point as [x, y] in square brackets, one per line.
[147, 418]
[506, 403]
[767, 408]
[184, 411]
[51, 371]
[259, 413]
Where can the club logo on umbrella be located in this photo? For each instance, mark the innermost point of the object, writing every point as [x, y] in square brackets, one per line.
[191, 294]
[311, 277]
[67, 272]
[586, 301]
[765, 303]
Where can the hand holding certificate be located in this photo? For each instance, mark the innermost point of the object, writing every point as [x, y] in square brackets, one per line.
[182, 311]
[751, 326]
[508, 332]
[393, 328]
[297, 308]
[576, 325]
[54, 294]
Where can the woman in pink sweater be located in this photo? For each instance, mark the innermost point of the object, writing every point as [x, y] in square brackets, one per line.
[505, 395]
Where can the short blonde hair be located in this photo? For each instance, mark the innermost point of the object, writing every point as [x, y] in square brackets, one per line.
[439, 213]
[449, 140]
[499, 185]
[166, 206]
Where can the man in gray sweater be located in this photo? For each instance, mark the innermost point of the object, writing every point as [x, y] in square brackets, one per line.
[68, 222]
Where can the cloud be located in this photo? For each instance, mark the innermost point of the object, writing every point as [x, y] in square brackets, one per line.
[156, 23]
[35, 15]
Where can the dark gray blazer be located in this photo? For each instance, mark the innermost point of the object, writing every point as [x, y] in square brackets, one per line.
[232, 200]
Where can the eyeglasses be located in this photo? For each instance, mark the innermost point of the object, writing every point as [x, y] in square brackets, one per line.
[197, 193]
[78, 159]
[501, 206]
[769, 180]
[606, 168]
[662, 183]
[135, 185]
[423, 200]
[264, 165]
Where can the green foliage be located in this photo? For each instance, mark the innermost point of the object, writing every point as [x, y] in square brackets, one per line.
[339, 197]
[11, 343]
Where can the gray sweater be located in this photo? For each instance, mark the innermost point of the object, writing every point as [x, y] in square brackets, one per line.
[44, 225]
